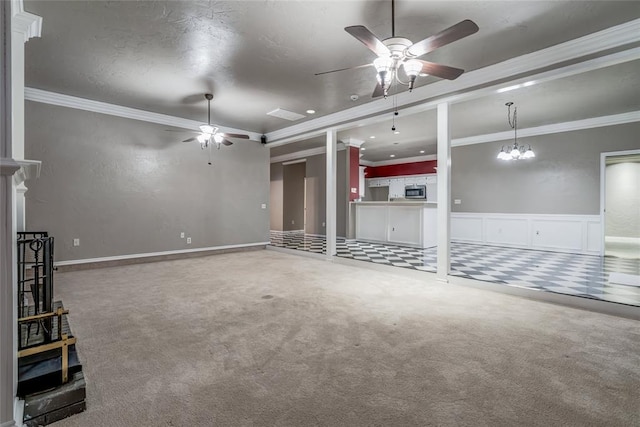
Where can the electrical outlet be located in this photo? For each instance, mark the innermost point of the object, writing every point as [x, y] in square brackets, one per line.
[263, 206]
[76, 242]
[182, 235]
[188, 240]
[292, 222]
[457, 201]
[323, 224]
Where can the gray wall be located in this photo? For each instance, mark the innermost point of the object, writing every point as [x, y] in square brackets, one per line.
[315, 172]
[564, 178]
[623, 200]
[293, 196]
[129, 187]
[316, 197]
[275, 197]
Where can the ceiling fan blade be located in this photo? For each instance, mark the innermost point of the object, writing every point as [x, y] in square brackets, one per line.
[343, 69]
[442, 71]
[377, 92]
[456, 32]
[368, 39]
[190, 139]
[226, 142]
[181, 131]
[235, 135]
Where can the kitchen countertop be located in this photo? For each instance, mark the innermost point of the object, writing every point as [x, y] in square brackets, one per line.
[399, 203]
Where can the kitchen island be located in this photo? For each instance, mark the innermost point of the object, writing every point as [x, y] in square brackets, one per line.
[406, 223]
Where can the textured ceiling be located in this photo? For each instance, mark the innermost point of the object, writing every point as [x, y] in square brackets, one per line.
[606, 91]
[255, 56]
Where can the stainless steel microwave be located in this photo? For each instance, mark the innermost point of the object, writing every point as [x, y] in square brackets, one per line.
[415, 192]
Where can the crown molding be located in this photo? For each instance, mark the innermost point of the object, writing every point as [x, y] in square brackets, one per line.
[591, 44]
[594, 122]
[8, 166]
[52, 98]
[352, 142]
[24, 23]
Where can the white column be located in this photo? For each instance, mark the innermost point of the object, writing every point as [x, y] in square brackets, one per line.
[8, 166]
[444, 192]
[331, 191]
[24, 26]
[17, 26]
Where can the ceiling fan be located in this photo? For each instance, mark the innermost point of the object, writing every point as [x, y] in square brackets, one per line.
[209, 134]
[399, 52]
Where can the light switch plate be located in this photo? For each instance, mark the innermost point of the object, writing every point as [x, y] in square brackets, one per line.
[457, 201]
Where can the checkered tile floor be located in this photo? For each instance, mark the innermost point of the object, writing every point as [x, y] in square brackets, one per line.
[580, 275]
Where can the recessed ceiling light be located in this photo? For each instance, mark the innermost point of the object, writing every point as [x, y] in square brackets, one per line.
[392, 155]
[311, 111]
[421, 151]
[396, 132]
[362, 149]
[372, 137]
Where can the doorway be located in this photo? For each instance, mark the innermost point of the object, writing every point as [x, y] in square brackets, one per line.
[620, 204]
[294, 196]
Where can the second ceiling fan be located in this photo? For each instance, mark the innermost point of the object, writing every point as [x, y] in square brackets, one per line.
[396, 52]
[209, 133]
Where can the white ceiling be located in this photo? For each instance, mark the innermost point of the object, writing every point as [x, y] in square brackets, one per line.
[255, 56]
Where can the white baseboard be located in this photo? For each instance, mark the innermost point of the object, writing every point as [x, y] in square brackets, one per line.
[625, 240]
[154, 254]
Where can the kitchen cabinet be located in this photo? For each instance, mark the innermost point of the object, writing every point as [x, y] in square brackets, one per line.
[378, 182]
[396, 188]
[404, 223]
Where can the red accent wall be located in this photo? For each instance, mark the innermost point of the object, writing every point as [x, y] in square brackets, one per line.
[415, 168]
[354, 173]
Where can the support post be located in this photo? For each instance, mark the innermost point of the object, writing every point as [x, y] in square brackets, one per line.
[444, 192]
[331, 192]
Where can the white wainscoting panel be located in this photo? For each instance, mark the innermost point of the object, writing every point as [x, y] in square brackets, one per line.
[506, 231]
[559, 233]
[594, 237]
[468, 229]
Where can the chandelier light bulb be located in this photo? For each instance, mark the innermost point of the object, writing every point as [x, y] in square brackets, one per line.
[515, 153]
[202, 138]
[218, 138]
[529, 154]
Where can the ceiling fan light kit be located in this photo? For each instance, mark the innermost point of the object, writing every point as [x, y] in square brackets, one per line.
[209, 133]
[399, 52]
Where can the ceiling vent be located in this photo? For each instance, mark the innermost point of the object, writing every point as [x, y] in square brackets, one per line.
[287, 115]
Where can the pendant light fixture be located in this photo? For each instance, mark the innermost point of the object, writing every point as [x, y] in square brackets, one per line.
[515, 151]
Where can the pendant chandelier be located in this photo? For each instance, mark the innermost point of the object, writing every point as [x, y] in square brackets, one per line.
[515, 151]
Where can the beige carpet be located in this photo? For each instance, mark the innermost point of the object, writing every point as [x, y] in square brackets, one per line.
[270, 339]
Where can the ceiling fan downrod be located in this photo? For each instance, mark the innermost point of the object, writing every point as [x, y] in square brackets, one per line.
[393, 18]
